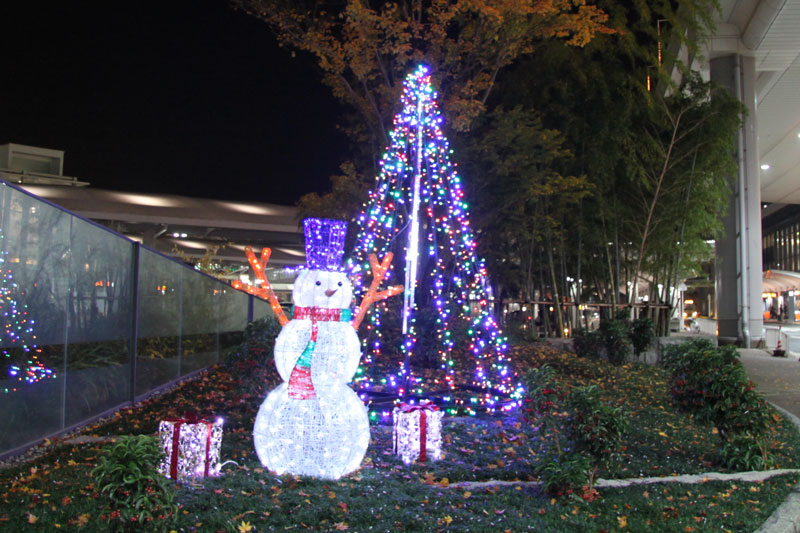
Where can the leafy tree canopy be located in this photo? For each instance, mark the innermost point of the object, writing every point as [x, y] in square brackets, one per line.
[365, 49]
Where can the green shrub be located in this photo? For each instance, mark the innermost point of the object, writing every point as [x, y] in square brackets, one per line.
[595, 428]
[591, 430]
[615, 340]
[543, 402]
[642, 335]
[587, 343]
[733, 405]
[623, 315]
[137, 493]
[746, 452]
[543, 391]
[563, 473]
[688, 364]
[712, 385]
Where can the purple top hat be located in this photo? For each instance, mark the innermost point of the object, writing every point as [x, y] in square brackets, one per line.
[324, 243]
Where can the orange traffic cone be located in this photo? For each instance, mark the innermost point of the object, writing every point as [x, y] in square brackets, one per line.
[779, 351]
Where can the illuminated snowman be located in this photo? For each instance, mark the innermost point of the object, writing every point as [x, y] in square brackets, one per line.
[314, 424]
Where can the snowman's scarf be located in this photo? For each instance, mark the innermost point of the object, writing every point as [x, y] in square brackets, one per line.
[300, 385]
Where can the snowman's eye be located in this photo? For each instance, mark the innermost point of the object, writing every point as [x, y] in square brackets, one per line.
[340, 283]
[319, 283]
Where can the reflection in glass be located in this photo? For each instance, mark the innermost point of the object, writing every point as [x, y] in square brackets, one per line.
[98, 322]
[35, 252]
[158, 343]
[261, 309]
[199, 328]
[232, 318]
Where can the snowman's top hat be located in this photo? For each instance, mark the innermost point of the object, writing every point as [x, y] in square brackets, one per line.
[324, 243]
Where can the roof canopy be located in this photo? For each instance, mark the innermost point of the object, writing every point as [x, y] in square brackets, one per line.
[781, 280]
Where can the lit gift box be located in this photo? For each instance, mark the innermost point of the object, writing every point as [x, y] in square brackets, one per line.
[418, 432]
[191, 446]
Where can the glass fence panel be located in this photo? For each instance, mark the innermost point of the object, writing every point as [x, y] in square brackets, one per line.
[199, 328]
[35, 254]
[99, 322]
[159, 328]
[232, 318]
[66, 298]
[261, 309]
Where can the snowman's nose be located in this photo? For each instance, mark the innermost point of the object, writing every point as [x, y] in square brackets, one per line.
[330, 292]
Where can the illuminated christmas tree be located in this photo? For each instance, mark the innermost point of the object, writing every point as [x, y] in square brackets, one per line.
[417, 211]
[20, 355]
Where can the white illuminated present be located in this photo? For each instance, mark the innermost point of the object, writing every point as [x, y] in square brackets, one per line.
[191, 447]
[417, 432]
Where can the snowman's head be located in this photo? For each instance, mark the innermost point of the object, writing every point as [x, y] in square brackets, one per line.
[322, 288]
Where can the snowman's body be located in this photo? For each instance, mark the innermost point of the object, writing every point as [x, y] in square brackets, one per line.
[324, 432]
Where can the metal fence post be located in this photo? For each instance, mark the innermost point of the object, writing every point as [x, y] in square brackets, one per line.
[133, 342]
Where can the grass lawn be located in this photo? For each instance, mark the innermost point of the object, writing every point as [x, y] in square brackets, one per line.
[56, 490]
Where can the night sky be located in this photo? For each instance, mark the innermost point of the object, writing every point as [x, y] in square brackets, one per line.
[184, 97]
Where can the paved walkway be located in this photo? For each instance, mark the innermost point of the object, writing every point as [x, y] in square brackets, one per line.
[777, 378]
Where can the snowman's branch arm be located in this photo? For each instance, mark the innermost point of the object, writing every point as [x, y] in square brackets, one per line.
[249, 289]
[378, 273]
[265, 291]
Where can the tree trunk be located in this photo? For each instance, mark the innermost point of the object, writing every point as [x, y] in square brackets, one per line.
[546, 326]
[617, 268]
[611, 279]
[556, 296]
[578, 282]
[565, 283]
[659, 183]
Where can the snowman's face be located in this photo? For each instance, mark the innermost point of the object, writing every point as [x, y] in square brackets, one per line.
[320, 288]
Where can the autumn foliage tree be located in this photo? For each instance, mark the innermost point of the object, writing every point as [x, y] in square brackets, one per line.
[365, 49]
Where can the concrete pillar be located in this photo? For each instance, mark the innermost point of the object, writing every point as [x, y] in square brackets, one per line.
[738, 264]
[788, 304]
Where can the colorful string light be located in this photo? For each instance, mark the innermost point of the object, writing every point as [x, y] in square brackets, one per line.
[418, 203]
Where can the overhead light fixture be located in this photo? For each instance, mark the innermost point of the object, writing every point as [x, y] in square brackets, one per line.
[149, 200]
[250, 209]
[765, 166]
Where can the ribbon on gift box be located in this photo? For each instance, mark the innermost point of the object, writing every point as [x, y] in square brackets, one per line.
[423, 408]
[189, 417]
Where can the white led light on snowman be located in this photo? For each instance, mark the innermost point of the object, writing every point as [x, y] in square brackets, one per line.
[314, 424]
